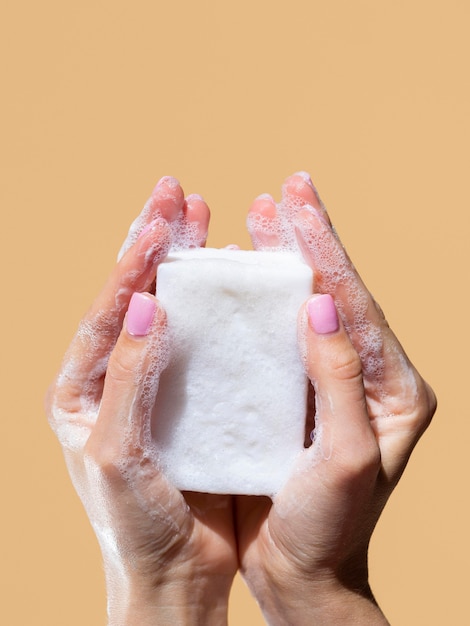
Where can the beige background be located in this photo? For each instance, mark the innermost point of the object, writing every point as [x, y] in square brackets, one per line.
[99, 99]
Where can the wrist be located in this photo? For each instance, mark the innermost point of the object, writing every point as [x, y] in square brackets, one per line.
[196, 601]
[314, 601]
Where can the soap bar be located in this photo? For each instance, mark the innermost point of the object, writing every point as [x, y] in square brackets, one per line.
[230, 411]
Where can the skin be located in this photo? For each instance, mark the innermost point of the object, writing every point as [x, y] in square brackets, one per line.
[170, 557]
[165, 554]
[304, 555]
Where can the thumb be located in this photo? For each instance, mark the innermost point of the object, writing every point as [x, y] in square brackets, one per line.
[343, 432]
[123, 425]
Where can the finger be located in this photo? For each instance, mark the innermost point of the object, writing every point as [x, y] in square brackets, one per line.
[263, 223]
[400, 403]
[339, 470]
[364, 321]
[299, 190]
[343, 431]
[120, 448]
[196, 217]
[132, 377]
[270, 225]
[166, 201]
[79, 383]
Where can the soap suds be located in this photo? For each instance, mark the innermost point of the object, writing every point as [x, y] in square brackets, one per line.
[279, 227]
[334, 274]
[185, 233]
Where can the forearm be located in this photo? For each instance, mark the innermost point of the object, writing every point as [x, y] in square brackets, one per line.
[312, 604]
[344, 608]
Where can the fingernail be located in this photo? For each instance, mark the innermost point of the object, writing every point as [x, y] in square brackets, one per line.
[158, 221]
[194, 197]
[169, 181]
[265, 196]
[306, 177]
[140, 314]
[264, 205]
[314, 217]
[322, 314]
[147, 228]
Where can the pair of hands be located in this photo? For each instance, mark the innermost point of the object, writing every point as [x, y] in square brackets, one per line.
[171, 556]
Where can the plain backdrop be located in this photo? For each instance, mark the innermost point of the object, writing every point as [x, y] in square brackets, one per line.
[99, 99]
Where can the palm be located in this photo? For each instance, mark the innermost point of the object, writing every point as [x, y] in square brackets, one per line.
[212, 544]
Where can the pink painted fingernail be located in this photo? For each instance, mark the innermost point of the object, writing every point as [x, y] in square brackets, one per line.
[140, 314]
[322, 314]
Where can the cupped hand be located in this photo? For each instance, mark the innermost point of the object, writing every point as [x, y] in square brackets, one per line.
[166, 554]
[304, 555]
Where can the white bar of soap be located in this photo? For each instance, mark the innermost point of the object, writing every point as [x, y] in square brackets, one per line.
[230, 410]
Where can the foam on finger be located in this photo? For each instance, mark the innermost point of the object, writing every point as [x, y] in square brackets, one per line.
[231, 406]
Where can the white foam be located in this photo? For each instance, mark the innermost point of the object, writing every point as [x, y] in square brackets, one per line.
[231, 406]
[184, 233]
[338, 276]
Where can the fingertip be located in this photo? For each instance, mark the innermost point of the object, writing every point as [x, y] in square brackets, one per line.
[262, 222]
[264, 205]
[197, 212]
[305, 176]
[299, 189]
[166, 182]
[167, 198]
[154, 241]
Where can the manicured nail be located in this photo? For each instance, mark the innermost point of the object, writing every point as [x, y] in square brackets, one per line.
[140, 314]
[322, 314]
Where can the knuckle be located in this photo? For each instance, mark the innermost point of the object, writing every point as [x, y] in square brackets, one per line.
[425, 405]
[359, 465]
[346, 366]
[105, 459]
[121, 370]
[50, 406]
[431, 402]
[363, 459]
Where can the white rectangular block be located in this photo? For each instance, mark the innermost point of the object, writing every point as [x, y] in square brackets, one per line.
[230, 410]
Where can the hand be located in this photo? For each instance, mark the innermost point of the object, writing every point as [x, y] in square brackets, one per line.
[168, 557]
[304, 555]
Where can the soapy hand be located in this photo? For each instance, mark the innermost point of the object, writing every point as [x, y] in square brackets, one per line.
[166, 555]
[304, 555]
[171, 557]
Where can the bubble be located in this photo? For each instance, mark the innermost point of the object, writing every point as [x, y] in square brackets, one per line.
[335, 272]
[184, 233]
